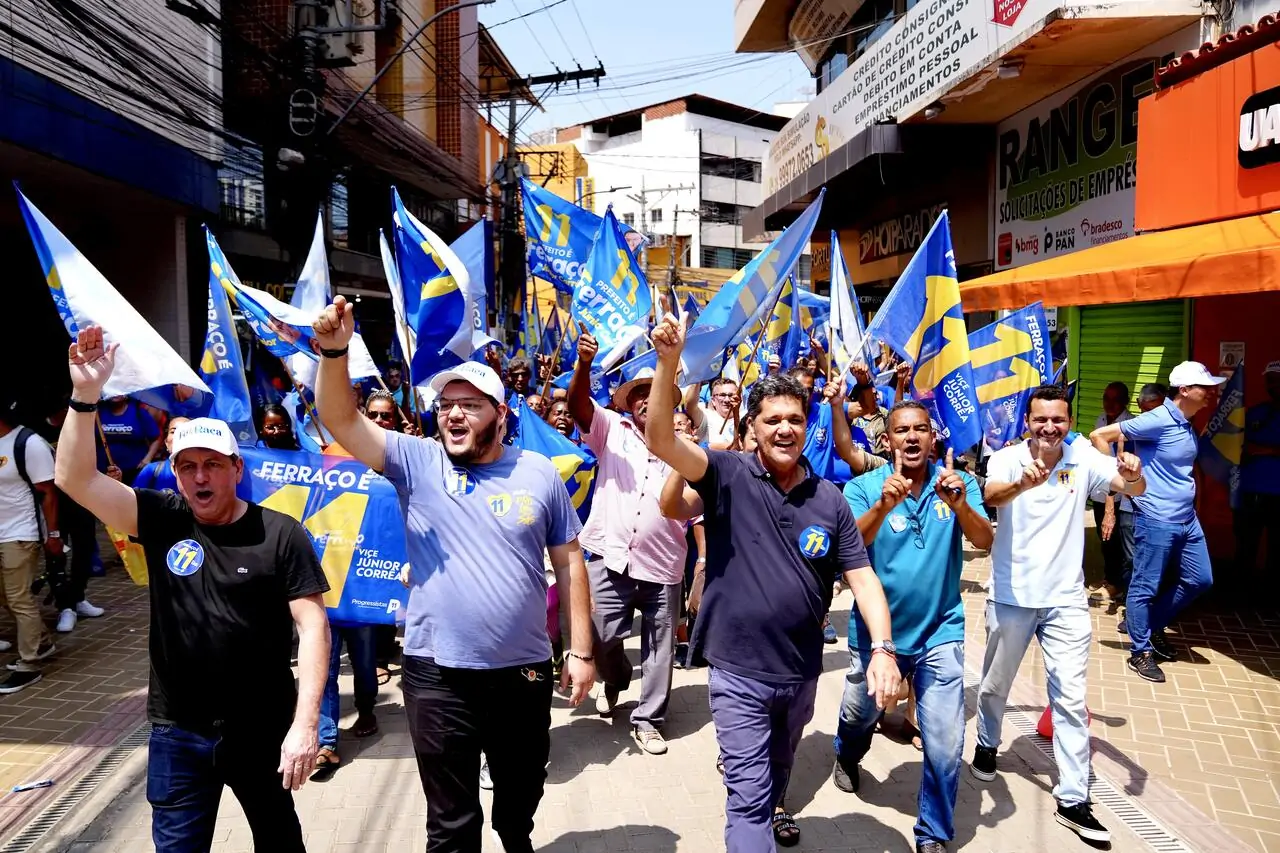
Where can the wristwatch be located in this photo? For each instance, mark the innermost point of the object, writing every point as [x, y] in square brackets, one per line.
[885, 646]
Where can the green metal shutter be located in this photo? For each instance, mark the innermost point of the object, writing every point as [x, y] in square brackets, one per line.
[1135, 343]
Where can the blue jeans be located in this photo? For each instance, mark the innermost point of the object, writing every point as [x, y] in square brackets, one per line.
[361, 652]
[1064, 634]
[939, 684]
[758, 727]
[185, 775]
[1156, 545]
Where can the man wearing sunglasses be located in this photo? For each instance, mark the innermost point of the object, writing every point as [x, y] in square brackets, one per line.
[479, 516]
[913, 516]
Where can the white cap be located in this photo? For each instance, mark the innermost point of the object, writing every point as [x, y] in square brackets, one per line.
[205, 433]
[480, 375]
[1193, 373]
[1273, 367]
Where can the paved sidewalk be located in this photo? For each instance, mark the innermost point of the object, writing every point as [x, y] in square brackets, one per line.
[603, 795]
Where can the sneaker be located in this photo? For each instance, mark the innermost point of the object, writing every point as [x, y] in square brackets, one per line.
[88, 611]
[5, 645]
[845, 780]
[20, 680]
[931, 847]
[486, 781]
[1162, 647]
[650, 740]
[46, 649]
[829, 635]
[607, 701]
[983, 765]
[1145, 665]
[1122, 626]
[1080, 820]
[66, 621]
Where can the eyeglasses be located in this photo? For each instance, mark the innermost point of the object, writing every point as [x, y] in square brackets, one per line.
[383, 416]
[727, 396]
[469, 405]
[918, 529]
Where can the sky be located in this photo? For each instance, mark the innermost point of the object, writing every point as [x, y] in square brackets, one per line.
[652, 50]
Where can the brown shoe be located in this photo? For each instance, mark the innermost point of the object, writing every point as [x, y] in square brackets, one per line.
[366, 725]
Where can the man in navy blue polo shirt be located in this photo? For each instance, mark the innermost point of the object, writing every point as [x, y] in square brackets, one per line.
[1165, 527]
[776, 536]
[914, 515]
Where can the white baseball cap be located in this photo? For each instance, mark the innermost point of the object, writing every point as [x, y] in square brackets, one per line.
[480, 375]
[207, 434]
[1193, 373]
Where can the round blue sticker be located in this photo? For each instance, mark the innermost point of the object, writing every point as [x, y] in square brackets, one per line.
[459, 481]
[185, 558]
[815, 541]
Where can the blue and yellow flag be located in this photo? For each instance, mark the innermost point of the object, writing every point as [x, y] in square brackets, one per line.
[921, 320]
[222, 365]
[577, 465]
[568, 346]
[1222, 444]
[549, 343]
[612, 298]
[1010, 359]
[783, 333]
[560, 235]
[737, 308]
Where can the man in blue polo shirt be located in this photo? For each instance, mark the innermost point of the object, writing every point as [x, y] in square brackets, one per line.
[1165, 527]
[914, 516]
[776, 536]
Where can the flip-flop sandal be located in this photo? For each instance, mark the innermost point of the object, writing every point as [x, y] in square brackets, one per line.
[384, 675]
[327, 762]
[785, 830]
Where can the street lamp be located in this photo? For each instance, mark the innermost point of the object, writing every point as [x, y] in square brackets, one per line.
[586, 196]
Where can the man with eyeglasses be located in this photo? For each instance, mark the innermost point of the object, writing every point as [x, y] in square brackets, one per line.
[519, 376]
[913, 516]
[477, 661]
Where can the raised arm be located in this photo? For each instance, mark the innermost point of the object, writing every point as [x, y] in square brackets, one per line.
[1129, 479]
[677, 500]
[75, 469]
[1000, 492]
[858, 460]
[361, 437]
[660, 432]
[581, 406]
[1103, 437]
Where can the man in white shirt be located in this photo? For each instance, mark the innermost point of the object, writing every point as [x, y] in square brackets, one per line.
[715, 425]
[1113, 514]
[26, 473]
[1037, 589]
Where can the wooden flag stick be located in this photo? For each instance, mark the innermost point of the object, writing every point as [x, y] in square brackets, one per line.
[102, 435]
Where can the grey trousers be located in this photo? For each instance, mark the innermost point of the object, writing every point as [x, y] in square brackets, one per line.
[616, 597]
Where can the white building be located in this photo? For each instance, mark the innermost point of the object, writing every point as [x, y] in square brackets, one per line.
[688, 168]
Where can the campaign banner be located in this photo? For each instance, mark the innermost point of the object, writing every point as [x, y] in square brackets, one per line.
[1067, 167]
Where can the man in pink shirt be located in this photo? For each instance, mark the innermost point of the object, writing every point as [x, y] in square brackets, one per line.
[636, 556]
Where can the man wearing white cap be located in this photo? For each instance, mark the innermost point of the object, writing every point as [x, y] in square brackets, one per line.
[1165, 527]
[228, 581]
[1259, 510]
[637, 556]
[479, 517]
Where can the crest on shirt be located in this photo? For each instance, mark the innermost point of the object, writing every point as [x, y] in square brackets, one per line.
[941, 510]
[897, 522]
[500, 505]
[459, 481]
[815, 541]
[524, 508]
[1067, 478]
[185, 558]
[820, 436]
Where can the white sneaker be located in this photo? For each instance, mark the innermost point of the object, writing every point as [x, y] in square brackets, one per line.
[5, 645]
[486, 781]
[66, 621]
[88, 611]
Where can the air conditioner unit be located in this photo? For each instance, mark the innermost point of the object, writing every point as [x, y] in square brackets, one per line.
[341, 49]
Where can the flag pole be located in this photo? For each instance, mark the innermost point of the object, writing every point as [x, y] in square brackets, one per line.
[97, 419]
[411, 390]
[302, 395]
[765, 327]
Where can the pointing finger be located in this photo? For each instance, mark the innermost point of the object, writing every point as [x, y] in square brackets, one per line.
[951, 459]
[1120, 445]
[897, 461]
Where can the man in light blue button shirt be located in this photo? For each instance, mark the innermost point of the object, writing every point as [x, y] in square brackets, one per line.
[1165, 525]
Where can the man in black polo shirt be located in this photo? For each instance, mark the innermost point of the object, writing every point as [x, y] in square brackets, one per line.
[228, 580]
[776, 537]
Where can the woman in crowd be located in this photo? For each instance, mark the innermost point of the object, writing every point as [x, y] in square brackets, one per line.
[275, 428]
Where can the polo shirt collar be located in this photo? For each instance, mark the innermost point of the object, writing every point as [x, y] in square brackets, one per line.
[1174, 412]
[758, 470]
[1068, 453]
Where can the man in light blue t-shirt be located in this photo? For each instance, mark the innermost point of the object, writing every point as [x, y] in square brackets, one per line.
[913, 515]
[1165, 526]
[478, 518]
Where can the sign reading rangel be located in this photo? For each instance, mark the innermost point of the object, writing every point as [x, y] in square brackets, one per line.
[1066, 172]
[898, 236]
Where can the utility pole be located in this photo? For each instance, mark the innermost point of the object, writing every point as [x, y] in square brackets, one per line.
[641, 198]
[511, 249]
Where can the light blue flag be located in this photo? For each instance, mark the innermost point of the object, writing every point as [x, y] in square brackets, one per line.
[1010, 359]
[222, 366]
[439, 297]
[475, 250]
[921, 320]
[1222, 444]
[560, 235]
[146, 367]
[691, 307]
[577, 465]
[612, 299]
[737, 308]
[848, 330]
[783, 333]
[549, 343]
[569, 347]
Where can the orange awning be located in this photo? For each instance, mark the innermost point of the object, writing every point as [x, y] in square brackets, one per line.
[1236, 256]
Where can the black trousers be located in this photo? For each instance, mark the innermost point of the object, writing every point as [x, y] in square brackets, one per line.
[78, 529]
[454, 714]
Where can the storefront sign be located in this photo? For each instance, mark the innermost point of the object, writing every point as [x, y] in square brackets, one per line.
[930, 48]
[1066, 171]
[820, 260]
[898, 236]
[1260, 130]
[815, 23]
